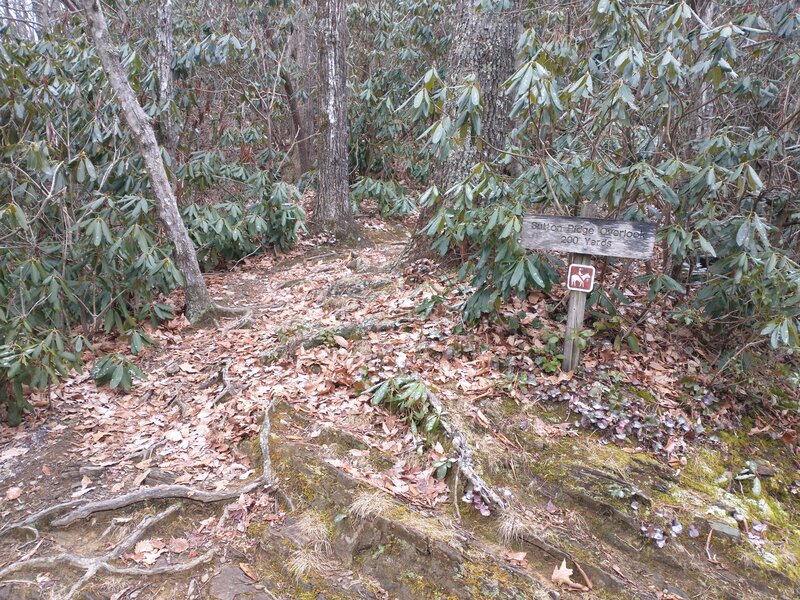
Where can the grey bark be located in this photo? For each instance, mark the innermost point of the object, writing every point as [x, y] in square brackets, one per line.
[198, 300]
[483, 44]
[302, 44]
[164, 71]
[706, 113]
[333, 211]
[302, 137]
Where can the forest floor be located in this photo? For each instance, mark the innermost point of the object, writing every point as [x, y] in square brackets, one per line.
[637, 474]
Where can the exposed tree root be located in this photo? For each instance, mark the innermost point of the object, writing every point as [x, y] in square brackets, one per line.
[80, 509]
[158, 492]
[350, 331]
[465, 468]
[228, 389]
[29, 522]
[93, 565]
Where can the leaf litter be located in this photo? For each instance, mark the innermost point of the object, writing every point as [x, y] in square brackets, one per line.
[174, 423]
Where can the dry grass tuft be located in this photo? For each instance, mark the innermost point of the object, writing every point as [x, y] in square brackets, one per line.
[513, 526]
[302, 562]
[314, 532]
[370, 504]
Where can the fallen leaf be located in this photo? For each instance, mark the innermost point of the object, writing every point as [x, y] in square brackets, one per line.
[13, 493]
[517, 557]
[248, 570]
[187, 368]
[12, 453]
[341, 341]
[140, 478]
[173, 435]
[144, 546]
[561, 575]
[178, 545]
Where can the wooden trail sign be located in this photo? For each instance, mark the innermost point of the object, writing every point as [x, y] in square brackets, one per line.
[584, 236]
[602, 237]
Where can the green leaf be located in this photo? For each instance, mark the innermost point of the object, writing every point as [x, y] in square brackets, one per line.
[116, 378]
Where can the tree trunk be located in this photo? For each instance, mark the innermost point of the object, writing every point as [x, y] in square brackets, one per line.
[164, 71]
[198, 300]
[483, 44]
[302, 138]
[333, 211]
[301, 49]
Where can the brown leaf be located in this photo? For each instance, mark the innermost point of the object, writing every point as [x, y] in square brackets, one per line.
[13, 493]
[178, 545]
[248, 570]
[12, 453]
[187, 368]
[561, 575]
[173, 435]
[140, 478]
[517, 557]
[341, 341]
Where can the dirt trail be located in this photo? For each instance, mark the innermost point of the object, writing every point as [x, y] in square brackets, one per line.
[359, 514]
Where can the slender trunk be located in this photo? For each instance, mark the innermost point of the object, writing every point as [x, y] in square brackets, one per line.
[484, 45]
[164, 71]
[198, 300]
[706, 112]
[302, 45]
[302, 139]
[333, 211]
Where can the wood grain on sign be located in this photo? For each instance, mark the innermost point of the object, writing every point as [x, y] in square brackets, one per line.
[627, 239]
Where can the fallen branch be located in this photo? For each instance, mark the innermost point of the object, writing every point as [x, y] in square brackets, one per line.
[464, 452]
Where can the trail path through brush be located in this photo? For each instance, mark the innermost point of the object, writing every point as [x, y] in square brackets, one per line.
[355, 511]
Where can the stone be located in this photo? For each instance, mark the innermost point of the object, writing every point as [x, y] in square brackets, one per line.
[764, 469]
[725, 529]
[232, 584]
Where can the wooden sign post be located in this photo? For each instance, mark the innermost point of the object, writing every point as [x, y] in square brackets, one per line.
[585, 236]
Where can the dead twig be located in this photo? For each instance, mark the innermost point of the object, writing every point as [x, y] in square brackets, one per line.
[222, 376]
[584, 575]
[246, 320]
[712, 559]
